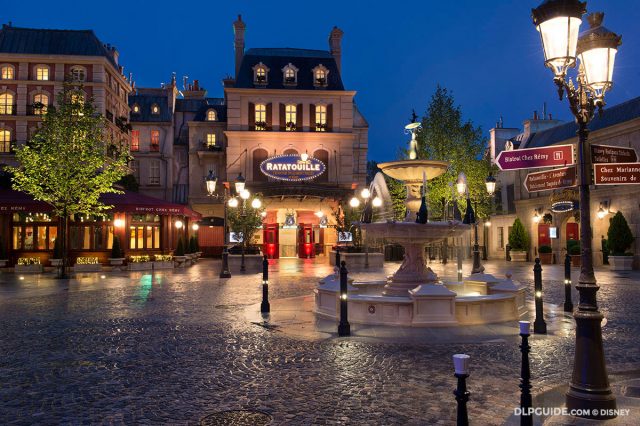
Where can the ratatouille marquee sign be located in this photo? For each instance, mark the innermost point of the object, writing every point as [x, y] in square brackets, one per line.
[292, 168]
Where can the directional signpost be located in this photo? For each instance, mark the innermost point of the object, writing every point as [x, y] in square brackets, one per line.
[616, 174]
[564, 177]
[533, 158]
[612, 154]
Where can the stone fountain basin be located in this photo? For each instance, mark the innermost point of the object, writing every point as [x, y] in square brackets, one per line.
[411, 171]
[415, 233]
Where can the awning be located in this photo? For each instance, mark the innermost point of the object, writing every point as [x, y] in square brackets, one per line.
[129, 202]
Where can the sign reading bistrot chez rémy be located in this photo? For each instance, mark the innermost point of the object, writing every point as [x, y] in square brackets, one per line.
[292, 168]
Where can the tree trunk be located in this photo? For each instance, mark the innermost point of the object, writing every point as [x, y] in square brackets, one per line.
[64, 223]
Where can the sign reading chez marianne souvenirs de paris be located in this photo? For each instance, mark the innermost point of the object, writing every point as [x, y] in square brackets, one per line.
[616, 174]
[292, 168]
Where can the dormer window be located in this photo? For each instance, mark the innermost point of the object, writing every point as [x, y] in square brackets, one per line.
[211, 115]
[260, 74]
[290, 75]
[135, 109]
[78, 73]
[320, 74]
[155, 109]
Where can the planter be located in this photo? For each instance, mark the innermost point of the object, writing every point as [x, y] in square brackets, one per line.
[621, 263]
[3, 263]
[252, 263]
[82, 267]
[140, 266]
[518, 256]
[56, 262]
[165, 264]
[180, 261]
[116, 261]
[28, 269]
[575, 260]
[546, 258]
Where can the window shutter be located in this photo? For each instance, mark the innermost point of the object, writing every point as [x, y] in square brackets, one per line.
[312, 116]
[283, 124]
[252, 116]
[329, 117]
[299, 113]
[269, 115]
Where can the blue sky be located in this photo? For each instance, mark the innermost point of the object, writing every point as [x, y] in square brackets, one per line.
[394, 54]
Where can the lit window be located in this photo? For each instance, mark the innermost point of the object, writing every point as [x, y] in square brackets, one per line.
[155, 109]
[136, 109]
[260, 72]
[290, 74]
[261, 117]
[155, 140]
[154, 173]
[77, 97]
[211, 140]
[5, 140]
[321, 118]
[6, 103]
[320, 74]
[135, 140]
[211, 115]
[78, 73]
[42, 72]
[40, 104]
[7, 72]
[290, 114]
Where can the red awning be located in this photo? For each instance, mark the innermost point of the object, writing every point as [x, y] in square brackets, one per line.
[129, 202]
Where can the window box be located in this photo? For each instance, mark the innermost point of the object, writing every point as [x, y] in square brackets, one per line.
[261, 125]
[116, 261]
[162, 261]
[321, 127]
[28, 265]
[140, 263]
[291, 126]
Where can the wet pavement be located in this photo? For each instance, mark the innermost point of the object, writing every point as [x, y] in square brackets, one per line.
[178, 346]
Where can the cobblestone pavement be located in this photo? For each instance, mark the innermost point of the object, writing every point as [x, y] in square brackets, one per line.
[174, 347]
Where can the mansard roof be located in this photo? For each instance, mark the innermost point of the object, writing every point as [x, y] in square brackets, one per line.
[201, 106]
[145, 102]
[52, 42]
[277, 58]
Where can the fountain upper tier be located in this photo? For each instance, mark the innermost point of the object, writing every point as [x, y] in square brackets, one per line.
[411, 171]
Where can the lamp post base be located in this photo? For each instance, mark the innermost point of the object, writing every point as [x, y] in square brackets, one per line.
[225, 273]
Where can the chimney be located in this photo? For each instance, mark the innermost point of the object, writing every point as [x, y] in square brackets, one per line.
[335, 42]
[238, 43]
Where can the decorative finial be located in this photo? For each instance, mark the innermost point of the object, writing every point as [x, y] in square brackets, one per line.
[595, 19]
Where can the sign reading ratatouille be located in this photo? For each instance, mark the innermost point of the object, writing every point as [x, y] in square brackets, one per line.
[292, 168]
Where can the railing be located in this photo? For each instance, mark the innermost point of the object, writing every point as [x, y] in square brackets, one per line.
[154, 147]
[207, 147]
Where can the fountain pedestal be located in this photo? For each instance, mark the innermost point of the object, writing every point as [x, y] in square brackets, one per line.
[412, 273]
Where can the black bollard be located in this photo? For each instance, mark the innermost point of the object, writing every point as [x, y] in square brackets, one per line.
[264, 306]
[344, 329]
[539, 326]
[568, 305]
[225, 273]
[526, 418]
[461, 366]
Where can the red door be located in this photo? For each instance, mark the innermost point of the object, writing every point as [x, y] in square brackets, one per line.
[306, 249]
[270, 241]
[543, 235]
[572, 232]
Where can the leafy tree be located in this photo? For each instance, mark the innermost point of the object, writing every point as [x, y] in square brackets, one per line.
[445, 136]
[57, 248]
[619, 234]
[346, 217]
[129, 183]
[70, 161]
[192, 244]
[519, 237]
[246, 224]
[180, 247]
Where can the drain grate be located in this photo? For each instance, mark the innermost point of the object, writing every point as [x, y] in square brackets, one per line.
[236, 418]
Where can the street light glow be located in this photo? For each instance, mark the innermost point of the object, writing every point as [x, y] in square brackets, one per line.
[233, 202]
[256, 203]
[377, 202]
[354, 202]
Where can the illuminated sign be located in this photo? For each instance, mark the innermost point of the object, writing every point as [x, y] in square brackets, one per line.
[292, 168]
[345, 237]
[553, 232]
[563, 206]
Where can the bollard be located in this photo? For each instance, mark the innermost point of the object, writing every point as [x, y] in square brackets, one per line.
[461, 366]
[539, 326]
[264, 306]
[225, 273]
[344, 329]
[526, 418]
[568, 305]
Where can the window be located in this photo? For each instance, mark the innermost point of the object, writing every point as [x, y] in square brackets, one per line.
[135, 169]
[260, 72]
[144, 232]
[154, 173]
[211, 115]
[155, 109]
[77, 97]
[290, 74]
[259, 155]
[135, 109]
[7, 72]
[290, 151]
[261, 117]
[42, 72]
[155, 140]
[321, 118]
[290, 117]
[501, 236]
[211, 140]
[322, 155]
[78, 73]
[320, 74]
[6, 103]
[40, 104]
[135, 140]
[33, 231]
[5, 141]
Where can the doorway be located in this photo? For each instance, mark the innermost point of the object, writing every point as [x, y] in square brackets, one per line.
[270, 241]
[306, 247]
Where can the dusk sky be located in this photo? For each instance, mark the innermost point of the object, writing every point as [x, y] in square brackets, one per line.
[394, 53]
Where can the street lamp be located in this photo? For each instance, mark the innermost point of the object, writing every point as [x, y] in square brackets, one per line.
[558, 22]
[210, 181]
[490, 183]
[470, 218]
[245, 194]
[239, 183]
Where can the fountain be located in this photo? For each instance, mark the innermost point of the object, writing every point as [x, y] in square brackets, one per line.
[414, 295]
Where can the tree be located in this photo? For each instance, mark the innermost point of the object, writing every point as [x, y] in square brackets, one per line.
[445, 136]
[129, 183]
[619, 234]
[519, 237]
[246, 224]
[345, 217]
[70, 161]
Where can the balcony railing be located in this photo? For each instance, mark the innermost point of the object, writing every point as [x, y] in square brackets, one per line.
[210, 147]
[154, 147]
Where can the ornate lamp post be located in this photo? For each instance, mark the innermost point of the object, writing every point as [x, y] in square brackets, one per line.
[470, 218]
[233, 202]
[558, 22]
[210, 181]
[367, 213]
